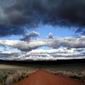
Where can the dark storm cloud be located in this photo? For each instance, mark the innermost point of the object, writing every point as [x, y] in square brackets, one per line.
[31, 12]
[52, 11]
[4, 31]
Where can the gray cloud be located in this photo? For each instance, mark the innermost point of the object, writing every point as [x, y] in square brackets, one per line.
[69, 42]
[16, 13]
[53, 43]
[30, 35]
[55, 11]
[22, 45]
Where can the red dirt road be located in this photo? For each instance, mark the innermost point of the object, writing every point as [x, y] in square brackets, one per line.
[42, 77]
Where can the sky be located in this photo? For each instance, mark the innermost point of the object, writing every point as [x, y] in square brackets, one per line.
[44, 30]
[62, 18]
[16, 15]
[57, 31]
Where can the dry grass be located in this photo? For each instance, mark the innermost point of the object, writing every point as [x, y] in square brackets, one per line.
[76, 71]
[8, 77]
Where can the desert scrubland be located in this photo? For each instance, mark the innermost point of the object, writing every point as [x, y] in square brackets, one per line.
[11, 73]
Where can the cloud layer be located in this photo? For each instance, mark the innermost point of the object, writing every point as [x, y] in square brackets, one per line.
[16, 13]
[69, 42]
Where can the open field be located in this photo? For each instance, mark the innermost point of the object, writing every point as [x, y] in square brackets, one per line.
[73, 69]
[74, 66]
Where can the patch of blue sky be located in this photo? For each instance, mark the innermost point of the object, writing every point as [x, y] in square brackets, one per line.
[57, 31]
[44, 30]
